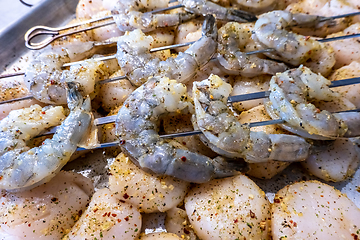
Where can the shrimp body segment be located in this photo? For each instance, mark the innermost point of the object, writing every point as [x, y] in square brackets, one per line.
[229, 137]
[46, 79]
[289, 99]
[22, 168]
[204, 7]
[139, 138]
[232, 37]
[272, 31]
[134, 56]
[128, 15]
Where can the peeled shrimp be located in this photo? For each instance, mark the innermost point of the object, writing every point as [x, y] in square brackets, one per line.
[23, 168]
[135, 59]
[46, 80]
[230, 208]
[313, 210]
[228, 137]
[137, 130]
[47, 211]
[147, 192]
[128, 16]
[234, 40]
[289, 99]
[326, 8]
[271, 31]
[107, 218]
[204, 7]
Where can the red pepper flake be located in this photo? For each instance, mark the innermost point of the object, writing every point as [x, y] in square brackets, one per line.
[183, 158]
[52, 82]
[355, 236]
[1, 177]
[127, 218]
[96, 210]
[122, 201]
[122, 142]
[43, 112]
[295, 192]
[29, 225]
[236, 221]
[104, 215]
[108, 214]
[307, 38]
[126, 196]
[252, 214]
[199, 218]
[321, 195]
[186, 231]
[295, 224]
[119, 220]
[114, 215]
[276, 200]
[3, 203]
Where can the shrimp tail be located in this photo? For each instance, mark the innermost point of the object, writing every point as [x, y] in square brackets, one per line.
[209, 27]
[74, 97]
[240, 16]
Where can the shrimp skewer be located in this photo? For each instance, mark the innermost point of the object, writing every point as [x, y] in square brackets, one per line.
[134, 56]
[228, 137]
[46, 79]
[128, 16]
[232, 38]
[136, 128]
[23, 168]
[271, 32]
[289, 99]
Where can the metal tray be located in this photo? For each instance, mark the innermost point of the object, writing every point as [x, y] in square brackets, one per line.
[56, 13]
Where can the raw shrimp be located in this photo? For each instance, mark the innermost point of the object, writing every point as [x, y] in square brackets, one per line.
[23, 168]
[107, 218]
[230, 208]
[46, 80]
[290, 93]
[128, 16]
[271, 31]
[228, 137]
[326, 8]
[205, 7]
[135, 59]
[147, 192]
[47, 211]
[313, 210]
[137, 130]
[233, 38]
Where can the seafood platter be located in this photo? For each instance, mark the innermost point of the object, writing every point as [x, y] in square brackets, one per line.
[181, 119]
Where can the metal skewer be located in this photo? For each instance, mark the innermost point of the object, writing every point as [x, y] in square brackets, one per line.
[197, 132]
[55, 32]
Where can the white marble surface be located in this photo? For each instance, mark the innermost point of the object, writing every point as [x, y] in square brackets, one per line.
[13, 10]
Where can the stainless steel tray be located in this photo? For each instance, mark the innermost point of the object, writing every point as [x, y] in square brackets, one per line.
[56, 13]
